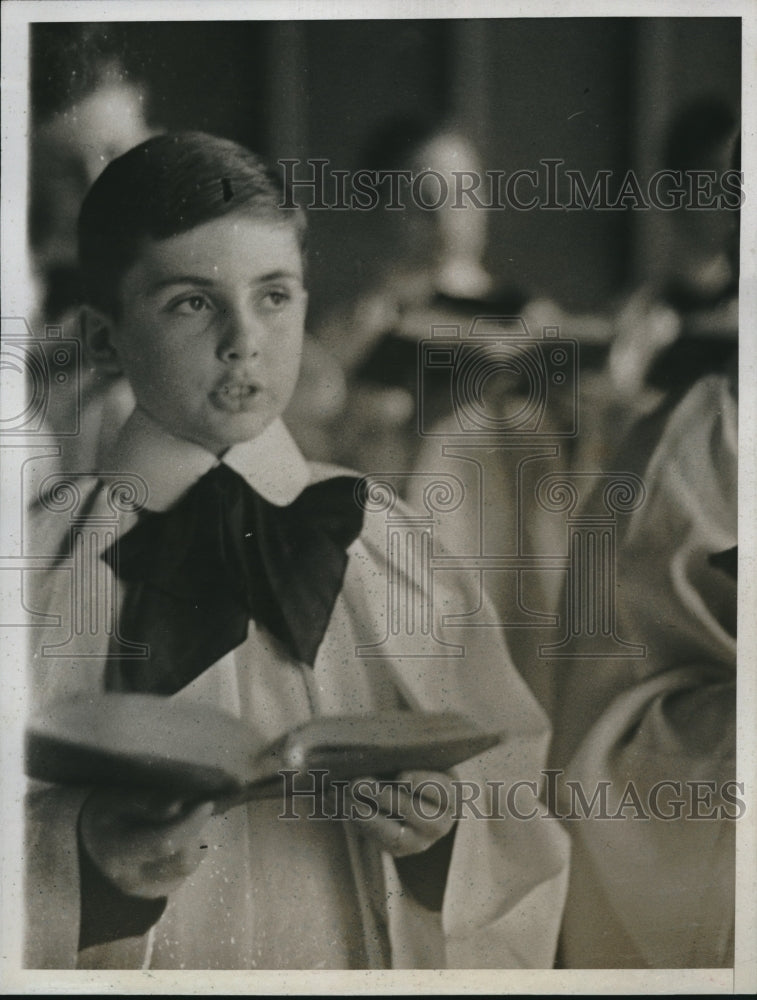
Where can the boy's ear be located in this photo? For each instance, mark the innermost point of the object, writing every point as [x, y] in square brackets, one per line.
[97, 337]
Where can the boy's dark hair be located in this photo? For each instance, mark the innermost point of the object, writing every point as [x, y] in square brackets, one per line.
[165, 186]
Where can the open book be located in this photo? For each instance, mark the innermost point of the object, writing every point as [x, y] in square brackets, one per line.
[195, 751]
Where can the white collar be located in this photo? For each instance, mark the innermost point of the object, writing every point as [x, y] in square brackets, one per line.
[271, 463]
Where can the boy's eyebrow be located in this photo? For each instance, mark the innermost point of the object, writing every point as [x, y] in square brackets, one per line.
[179, 279]
[196, 279]
[278, 275]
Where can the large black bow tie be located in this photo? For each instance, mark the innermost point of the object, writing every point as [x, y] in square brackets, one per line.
[198, 572]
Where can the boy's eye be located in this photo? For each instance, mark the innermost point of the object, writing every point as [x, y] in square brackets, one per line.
[191, 305]
[275, 298]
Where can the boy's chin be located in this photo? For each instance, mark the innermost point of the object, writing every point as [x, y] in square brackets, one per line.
[220, 442]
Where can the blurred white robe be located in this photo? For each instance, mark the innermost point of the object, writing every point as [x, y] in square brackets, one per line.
[659, 893]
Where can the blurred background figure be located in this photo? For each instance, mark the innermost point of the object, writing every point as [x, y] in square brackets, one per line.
[317, 403]
[649, 345]
[423, 267]
[638, 359]
[87, 109]
[683, 321]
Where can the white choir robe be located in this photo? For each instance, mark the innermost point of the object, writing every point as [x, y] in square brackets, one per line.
[305, 894]
[659, 892]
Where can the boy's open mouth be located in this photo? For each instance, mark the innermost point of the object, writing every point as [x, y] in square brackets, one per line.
[235, 395]
[236, 390]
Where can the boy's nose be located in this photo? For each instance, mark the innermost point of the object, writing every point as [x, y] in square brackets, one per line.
[241, 338]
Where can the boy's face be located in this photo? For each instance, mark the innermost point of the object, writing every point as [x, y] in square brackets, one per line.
[211, 326]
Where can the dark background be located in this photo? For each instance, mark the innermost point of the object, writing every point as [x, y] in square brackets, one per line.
[595, 92]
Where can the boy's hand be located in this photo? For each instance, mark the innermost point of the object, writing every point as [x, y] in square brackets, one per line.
[145, 844]
[408, 814]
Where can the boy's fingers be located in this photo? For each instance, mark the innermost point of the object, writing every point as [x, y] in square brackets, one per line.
[164, 838]
[388, 813]
[155, 807]
[397, 838]
[124, 847]
[432, 785]
[159, 809]
[143, 807]
[432, 804]
[170, 868]
[422, 800]
[430, 827]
